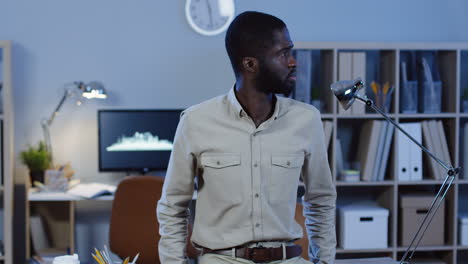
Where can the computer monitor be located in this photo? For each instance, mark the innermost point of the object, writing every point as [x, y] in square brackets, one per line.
[136, 140]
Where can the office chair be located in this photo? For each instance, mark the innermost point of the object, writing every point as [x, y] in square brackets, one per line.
[134, 227]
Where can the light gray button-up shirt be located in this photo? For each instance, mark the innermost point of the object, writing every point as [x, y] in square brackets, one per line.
[247, 179]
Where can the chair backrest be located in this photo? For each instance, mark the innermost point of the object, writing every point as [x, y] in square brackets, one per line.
[134, 227]
[304, 241]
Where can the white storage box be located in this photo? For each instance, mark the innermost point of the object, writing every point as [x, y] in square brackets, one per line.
[363, 226]
[463, 230]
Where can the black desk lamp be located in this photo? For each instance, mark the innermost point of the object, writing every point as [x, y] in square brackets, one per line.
[347, 92]
[89, 90]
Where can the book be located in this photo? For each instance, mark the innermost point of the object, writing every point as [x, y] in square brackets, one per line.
[367, 149]
[344, 74]
[92, 190]
[445, 151]
[358, 70]
[379, 153]
[385, 154]
[428, 137]
[304, 76]
[327, 129]
[39, 238]
[465, 151]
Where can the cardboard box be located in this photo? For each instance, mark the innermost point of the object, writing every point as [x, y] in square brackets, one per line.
[413, 209]
[363, 226]
[463, 230]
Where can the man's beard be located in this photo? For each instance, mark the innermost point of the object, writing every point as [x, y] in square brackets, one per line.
[268, 82]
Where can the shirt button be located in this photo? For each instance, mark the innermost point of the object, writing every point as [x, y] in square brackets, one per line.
[256, 195]
[288, 163]
[217, 162]
[257, 225]
[255, 164]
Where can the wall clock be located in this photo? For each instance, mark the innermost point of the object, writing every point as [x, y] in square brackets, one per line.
[209, 17]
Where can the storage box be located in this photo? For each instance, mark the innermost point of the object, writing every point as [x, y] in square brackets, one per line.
[363, 226]
[413, 209]
[463, 230]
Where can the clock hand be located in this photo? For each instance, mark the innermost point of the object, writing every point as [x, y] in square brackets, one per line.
[210, 13]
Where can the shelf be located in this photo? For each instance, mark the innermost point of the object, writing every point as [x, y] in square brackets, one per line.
[427, 116]
[462, 247]
[365, 250]
[365, 116]
[327, 116]
[428, 248]
[423, 182]
[462, 181]
[363, 183]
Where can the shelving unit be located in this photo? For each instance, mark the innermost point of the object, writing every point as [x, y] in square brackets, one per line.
[6, 153]
[453, 67]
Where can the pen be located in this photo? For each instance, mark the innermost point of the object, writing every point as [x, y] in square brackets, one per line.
[96, 258]
[100, 256]
[135, 258]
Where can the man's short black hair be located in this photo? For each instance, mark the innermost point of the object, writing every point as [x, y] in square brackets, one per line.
[249, 35]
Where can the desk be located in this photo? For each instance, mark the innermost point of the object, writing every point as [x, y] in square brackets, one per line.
[58, 212]
[58, 209]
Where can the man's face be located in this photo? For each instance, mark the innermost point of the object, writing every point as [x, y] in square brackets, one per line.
[277, 72]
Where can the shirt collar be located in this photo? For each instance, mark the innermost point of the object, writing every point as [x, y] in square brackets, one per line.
[279, 106]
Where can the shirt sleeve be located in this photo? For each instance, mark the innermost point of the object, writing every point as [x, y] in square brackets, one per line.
[319, 199]
[172, 209]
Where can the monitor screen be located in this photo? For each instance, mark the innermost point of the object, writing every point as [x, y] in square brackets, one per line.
[136, 140]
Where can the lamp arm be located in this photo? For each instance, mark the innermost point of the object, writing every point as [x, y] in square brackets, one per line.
[46, 123]
[66, 94]
[438, 199]
[47, 141]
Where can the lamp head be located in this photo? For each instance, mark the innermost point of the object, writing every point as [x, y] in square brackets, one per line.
[345, 91]
[92, 90]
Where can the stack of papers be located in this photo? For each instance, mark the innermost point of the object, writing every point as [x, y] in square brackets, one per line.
[92, 190]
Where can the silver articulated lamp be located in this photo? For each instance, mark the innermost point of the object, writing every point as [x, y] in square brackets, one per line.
[88, 90]
[347, 92]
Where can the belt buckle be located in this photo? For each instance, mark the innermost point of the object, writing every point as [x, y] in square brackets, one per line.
[259, 254]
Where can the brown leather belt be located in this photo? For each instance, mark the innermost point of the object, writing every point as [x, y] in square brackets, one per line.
[260, 254]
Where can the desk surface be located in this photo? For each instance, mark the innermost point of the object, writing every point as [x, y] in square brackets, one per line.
[35, 196]
[61, 196]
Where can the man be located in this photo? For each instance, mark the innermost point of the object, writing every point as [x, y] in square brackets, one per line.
[248, 150]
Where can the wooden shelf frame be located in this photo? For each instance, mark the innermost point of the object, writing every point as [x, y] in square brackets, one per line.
[452, 116]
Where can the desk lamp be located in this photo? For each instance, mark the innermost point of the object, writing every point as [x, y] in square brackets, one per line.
[88, 90]
[347, 92]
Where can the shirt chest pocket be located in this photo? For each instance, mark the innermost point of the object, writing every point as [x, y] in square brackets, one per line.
[285, 174]
[222, 176]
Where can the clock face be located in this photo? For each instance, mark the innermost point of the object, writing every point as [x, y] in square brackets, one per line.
[209, 17]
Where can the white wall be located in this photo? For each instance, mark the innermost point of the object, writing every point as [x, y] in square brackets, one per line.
[148, 57]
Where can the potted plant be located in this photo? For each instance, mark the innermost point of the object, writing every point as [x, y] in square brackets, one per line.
[38, 160]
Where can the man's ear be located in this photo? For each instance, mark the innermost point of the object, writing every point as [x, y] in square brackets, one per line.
[250, 64]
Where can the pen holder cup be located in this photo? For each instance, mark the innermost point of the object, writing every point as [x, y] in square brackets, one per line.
[431, 97]
[55, 181]
[409, 97]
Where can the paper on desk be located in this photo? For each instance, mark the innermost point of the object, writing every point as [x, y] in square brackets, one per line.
[67, 259]
[92, 190]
